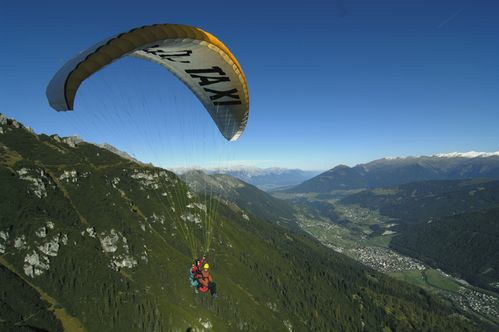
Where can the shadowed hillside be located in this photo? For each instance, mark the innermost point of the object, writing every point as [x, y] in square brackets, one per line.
[396, 171]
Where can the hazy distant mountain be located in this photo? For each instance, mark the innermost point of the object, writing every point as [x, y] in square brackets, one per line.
[395, 171]
[264, 178]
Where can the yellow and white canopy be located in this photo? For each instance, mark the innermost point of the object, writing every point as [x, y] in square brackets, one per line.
[197, 58]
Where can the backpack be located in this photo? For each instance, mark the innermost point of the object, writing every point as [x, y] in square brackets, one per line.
[193, 278]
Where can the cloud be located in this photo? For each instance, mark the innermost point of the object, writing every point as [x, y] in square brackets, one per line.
[450, 18]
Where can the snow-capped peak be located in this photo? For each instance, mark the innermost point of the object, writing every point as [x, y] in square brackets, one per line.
[469, 154]
[248, 171]
[251, 171]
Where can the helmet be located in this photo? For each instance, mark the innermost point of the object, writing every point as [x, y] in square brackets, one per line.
[206, 266]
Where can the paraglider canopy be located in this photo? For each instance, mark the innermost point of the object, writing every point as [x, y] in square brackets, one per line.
[202, 62]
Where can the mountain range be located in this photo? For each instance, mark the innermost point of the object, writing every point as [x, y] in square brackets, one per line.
[90, 241]
[395, 171]
[268, 179]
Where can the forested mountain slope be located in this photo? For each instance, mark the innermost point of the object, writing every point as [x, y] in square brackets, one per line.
[449, 224]
[90, 241]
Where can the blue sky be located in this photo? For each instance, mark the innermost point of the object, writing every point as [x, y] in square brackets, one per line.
[339, 81]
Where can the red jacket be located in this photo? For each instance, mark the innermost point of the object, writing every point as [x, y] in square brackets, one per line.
[204, 279]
